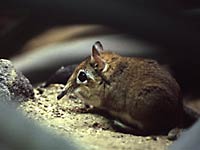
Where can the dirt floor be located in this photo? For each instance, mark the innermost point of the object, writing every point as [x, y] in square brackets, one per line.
[70, 118]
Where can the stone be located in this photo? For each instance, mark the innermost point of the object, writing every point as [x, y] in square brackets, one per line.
[13, 84]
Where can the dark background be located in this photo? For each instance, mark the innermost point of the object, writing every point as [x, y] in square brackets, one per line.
[172, 25]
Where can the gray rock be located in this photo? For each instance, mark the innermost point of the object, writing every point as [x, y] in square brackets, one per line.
[20, 133]
[4, 93]
[13, 84]
[189, 140]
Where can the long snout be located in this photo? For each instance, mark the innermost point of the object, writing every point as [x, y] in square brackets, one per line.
[65, 91]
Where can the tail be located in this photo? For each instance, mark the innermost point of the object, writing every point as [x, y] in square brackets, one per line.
[190, 116]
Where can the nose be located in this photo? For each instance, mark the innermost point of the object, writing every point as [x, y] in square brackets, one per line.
[63, 93]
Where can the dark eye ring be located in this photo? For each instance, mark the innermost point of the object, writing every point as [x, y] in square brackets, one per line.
[82, 76]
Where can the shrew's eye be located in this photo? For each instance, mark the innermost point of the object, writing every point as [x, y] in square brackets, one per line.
[82, 77]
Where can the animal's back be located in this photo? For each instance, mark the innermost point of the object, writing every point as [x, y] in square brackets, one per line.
[151, 96]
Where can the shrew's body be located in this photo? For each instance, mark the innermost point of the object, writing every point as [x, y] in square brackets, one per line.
[137, 91]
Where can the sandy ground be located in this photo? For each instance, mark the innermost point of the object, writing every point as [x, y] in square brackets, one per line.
[70, 118]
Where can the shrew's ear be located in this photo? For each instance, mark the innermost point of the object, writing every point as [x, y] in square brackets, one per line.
[99, 62]
[98, 46]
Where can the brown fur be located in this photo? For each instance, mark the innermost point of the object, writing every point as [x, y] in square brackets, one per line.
[137, 91]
